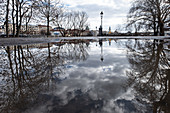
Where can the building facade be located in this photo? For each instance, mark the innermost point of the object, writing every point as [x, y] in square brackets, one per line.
[29, 29]
[42, 29]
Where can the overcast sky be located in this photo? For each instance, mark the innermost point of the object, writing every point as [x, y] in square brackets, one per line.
[115, 11]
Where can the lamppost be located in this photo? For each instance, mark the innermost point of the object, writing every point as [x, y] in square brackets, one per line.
[101, 14]
[100, 29]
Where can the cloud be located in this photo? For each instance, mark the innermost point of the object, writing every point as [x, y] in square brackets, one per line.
[115, 11]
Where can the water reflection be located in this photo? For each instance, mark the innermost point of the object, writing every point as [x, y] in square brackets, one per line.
[69, 76]
[101, 45]
[27, 71]
[150, 73]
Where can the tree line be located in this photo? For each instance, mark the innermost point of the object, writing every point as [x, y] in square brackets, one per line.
[149, 15]
[51, 12]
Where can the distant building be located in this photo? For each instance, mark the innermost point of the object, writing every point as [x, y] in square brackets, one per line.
[116, 33]
[86, 33]
[10, 28]
[87, 28]
[43, 29]
[29, 29]
[33, 29]
[109, 30]
[57, 31]
[94, 32]
[104, 33]
[72, 32]
[2, 29]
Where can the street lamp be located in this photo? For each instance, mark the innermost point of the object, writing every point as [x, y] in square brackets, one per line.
[101, 14]
[100, 29]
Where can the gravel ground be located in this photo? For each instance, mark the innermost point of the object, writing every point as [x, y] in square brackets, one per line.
[26, 41]
[22, 41]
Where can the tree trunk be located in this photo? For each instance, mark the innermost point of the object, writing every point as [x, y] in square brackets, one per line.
[48, 18]
[48, 25]
[20, 18]
[26, 25]
[13, 18]
[7, 15]
[17, 20]
[27, 21]
[155, 27]
[162, 29]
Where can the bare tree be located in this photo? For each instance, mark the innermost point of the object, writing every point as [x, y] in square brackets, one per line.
[149, 14]
[64, 22]
[73, 23]
[16, 11]
[22, 7]
[81, 20]
[27, 17]
[47, 8]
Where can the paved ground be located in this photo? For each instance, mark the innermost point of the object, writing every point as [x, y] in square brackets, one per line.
[22, 41]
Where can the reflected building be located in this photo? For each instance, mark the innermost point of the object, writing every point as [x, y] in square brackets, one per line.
[110, 41]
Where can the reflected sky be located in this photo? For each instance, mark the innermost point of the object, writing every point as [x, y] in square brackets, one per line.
[80, 76]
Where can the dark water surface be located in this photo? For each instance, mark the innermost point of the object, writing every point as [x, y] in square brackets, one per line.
[86, 76]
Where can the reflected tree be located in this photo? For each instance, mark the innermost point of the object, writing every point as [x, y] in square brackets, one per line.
[27, 71]
[20, 85]
[150, 72]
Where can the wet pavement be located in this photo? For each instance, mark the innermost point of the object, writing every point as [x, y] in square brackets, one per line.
[86, 76]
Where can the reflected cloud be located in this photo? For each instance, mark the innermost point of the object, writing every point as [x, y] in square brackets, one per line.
[57, 77]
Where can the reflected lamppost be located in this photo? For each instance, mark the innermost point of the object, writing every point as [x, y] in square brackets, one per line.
[100, 29]
[101, 45]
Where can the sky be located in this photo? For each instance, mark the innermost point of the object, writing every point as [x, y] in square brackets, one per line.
[115, 12]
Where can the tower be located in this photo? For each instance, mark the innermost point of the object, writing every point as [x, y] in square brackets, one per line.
[109, 30]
